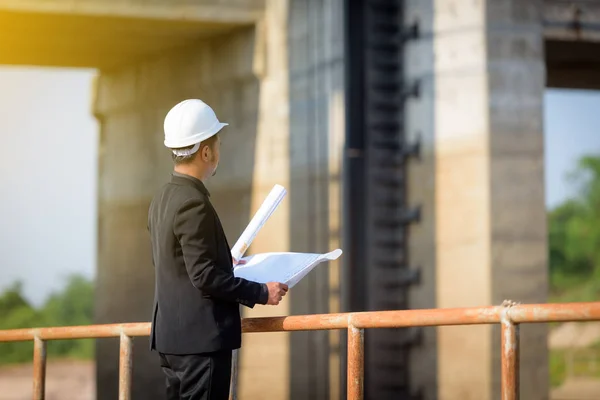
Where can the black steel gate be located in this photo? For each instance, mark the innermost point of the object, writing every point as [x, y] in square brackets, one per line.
[377, 274]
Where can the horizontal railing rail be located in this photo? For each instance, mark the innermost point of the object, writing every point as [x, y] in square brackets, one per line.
[509, 315]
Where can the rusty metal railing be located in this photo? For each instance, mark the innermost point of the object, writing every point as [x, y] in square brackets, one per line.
[509, 316]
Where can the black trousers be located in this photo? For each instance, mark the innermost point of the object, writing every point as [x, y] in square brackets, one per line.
[197, 376]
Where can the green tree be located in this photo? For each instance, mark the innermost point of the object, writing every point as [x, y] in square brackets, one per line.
[16, 313]
[74, 305]
[574, 237]
[71, 306]
[12, 298]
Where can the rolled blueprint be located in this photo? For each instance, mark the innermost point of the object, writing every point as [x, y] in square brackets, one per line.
[264, 212]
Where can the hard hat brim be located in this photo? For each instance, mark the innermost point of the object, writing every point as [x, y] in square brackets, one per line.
[196, 138]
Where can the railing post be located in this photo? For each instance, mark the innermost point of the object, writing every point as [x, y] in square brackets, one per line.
[355, 363]
[125, 367]
[39, 369]
[510, 356]
[234, 374]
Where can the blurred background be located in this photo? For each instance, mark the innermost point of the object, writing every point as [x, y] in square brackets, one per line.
[471, 126]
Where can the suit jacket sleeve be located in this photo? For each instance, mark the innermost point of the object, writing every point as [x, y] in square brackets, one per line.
[194, 227]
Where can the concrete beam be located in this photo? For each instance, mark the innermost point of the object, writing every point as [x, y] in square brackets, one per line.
[572, 43]
[240, 12]
[92, 41]
[572, 65]
[572, 20]
[106, 34]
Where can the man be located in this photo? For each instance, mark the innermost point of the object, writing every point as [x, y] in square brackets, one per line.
[196, 320]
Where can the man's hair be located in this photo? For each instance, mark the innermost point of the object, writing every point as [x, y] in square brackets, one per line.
[179, 160]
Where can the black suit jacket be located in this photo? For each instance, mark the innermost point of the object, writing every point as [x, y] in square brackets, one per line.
[196, 294]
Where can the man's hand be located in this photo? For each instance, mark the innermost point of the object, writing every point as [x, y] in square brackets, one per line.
[276, 292]
[236, 262]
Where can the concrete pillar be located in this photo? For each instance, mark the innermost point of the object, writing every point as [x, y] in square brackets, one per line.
[264, 359]
[300, 139]
[315, 48]
[481, 183]
[422, 250]
[518, 230]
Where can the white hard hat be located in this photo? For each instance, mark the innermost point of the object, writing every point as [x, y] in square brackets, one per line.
[189, 123]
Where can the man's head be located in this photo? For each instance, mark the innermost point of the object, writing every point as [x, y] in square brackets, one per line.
[205, 159]
[191, 132]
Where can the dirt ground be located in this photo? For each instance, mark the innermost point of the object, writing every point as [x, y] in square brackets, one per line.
[577, 389]
[75, 380]
[65, 380]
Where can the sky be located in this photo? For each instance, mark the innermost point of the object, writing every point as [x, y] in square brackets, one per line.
[572, 129]
[48, 167]
[48, 145]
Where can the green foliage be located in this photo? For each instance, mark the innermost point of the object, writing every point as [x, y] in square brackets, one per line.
[583, 363]
[558, 368]
[16, 313]
[574, 238]
[71, 306]
[574, 245]
[11, 299]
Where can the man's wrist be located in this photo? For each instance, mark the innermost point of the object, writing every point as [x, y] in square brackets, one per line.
[264, 294]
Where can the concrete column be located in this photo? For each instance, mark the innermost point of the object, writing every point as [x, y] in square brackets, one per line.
[422, 179]
[481, 184]
[518, 231]
[265, 367]
[315, 48]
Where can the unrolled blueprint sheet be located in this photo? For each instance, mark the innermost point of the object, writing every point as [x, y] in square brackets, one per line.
[288, 268]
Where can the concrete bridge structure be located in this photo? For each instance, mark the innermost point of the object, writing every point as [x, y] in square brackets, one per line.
[408, 132]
